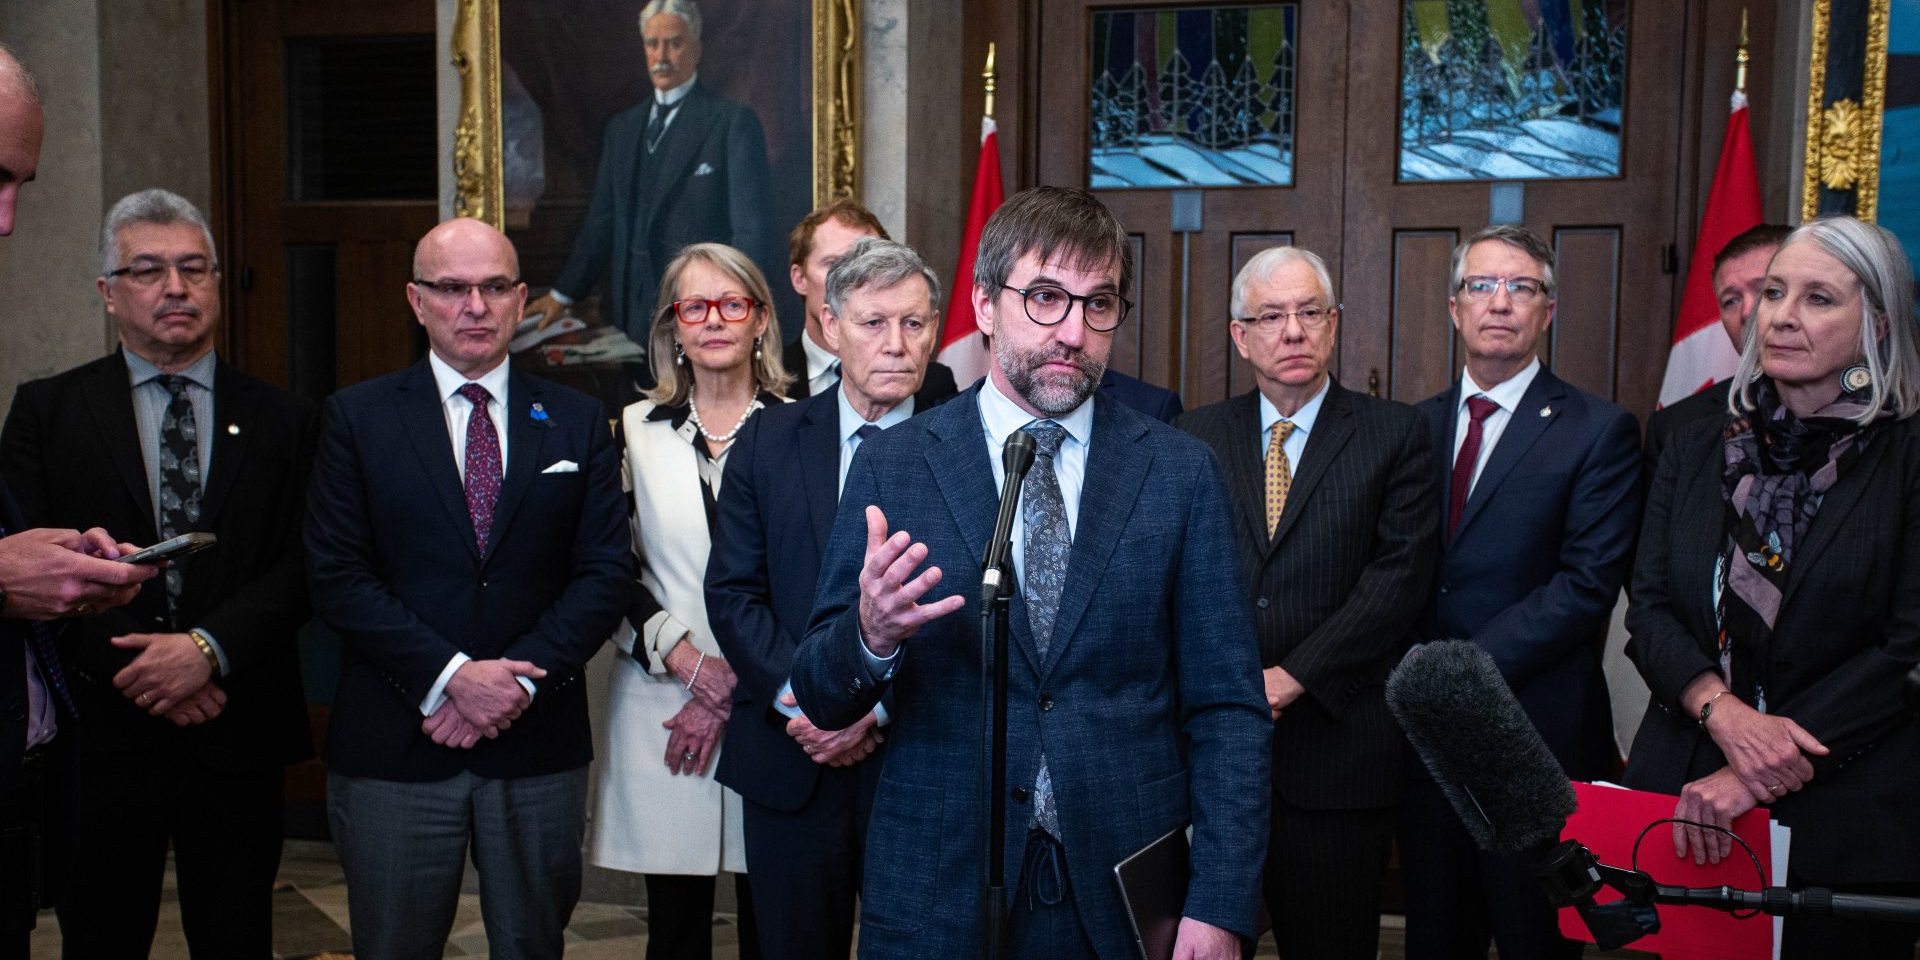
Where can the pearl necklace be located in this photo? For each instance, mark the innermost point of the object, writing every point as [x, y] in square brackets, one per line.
[693, 413]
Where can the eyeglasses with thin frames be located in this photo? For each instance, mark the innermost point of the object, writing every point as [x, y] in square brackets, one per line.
[1047, 305]
[194, 271]
[1311, 318]
[1521, 290]
[493, 290]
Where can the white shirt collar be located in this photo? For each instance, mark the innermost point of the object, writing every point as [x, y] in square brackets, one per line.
[1507, 395]
[818, 357]
[851, 421]
[1302, 418]
[1002, 417]
[673, 95]
[449, 381]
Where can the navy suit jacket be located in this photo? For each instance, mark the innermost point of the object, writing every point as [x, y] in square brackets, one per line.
[1149, 700]
[396, 572]
[1535, 567]
[776, 510]
[1156, 402]
[709, 183]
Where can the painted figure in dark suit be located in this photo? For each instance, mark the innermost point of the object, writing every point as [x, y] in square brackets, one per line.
[1739, 273]
[1776, 594]
[1134, 681]
[45, 574]
[687, 166]
[191, 693]
[808, 792]
[468, 543]
[1538, 484]
[818, 242]
[1337, 523]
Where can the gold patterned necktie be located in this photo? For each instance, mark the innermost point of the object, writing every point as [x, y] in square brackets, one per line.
[1279, 473]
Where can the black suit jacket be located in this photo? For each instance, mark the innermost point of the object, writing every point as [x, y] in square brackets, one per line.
[1157, 402]
[707, 181]
[396, 572]
[71, 452]
[936, 387]
[1708, 404]
[1338, 587]
[776, 512]
[1535, 567]
[1847, 633]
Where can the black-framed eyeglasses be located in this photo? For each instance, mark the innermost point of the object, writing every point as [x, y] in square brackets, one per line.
[492, 289]
[692, 311]
[1520, 290]
[1311, 318]
[194, 271]
[1047, 305]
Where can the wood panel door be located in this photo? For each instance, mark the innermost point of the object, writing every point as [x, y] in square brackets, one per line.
[330, 160]
[1616, 294]
[1184, 275]
[1387, 242]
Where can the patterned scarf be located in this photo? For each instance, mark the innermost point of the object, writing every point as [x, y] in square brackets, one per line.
[1779, 468]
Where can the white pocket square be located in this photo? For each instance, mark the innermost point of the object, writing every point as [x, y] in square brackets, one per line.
[563, 466]
[703, 169]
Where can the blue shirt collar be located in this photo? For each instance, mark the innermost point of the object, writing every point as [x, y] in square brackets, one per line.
[139, 371]
[1302, 418]
[850, 421]
[1002, 416]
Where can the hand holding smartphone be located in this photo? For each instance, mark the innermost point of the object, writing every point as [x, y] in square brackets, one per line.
[181, 546]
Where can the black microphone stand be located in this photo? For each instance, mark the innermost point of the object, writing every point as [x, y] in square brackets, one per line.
[1573, 875]
[996, 593]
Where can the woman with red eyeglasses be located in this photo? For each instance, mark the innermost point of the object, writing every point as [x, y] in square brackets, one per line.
[657, 810]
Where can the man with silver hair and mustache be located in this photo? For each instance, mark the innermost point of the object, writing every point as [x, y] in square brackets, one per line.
[189, 696]
[687, 166]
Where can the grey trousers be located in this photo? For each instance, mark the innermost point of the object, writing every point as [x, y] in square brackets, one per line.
[404, 846]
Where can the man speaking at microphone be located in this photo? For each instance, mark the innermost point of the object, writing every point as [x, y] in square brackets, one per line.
[1134, 695]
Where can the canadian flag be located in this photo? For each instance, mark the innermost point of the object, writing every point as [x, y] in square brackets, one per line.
[961, 346]
[1701, 354]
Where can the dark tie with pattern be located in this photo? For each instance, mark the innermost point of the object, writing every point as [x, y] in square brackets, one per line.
[1479, 408]
[179, 474]
[1048, 543]
[483, 464]
[657, 126]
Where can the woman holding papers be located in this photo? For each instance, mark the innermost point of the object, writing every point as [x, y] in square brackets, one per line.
[657, 810]
[1776, 597]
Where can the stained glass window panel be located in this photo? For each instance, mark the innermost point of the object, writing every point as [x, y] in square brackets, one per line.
[1512, 89]
[1194, 97]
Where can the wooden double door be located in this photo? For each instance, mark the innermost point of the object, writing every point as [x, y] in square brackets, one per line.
[1387, 241]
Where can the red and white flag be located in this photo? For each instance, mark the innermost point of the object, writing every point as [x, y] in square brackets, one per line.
[961, 346]
[1702, 355]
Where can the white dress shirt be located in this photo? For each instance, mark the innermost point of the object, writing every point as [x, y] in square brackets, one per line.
[1506, 396]
[823, 368]
[458, 411]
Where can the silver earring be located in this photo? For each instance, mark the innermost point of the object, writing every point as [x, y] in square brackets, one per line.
[756, 348]
[1856, 378]
[679, 353]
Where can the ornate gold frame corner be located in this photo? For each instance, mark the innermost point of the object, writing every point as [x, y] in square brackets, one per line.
[1843, 137]
[477, 173]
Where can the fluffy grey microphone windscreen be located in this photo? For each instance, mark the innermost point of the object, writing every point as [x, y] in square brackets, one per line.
[1482, 750]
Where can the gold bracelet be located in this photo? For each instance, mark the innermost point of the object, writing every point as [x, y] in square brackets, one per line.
[206, 649]
[1706, 709]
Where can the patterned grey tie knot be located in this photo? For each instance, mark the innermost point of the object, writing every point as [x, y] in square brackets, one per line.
[1049, 544]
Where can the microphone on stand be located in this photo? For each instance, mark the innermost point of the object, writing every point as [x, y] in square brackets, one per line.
[1017, 458]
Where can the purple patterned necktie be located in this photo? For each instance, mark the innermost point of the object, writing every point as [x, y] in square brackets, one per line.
[47, 657]
[483, 464]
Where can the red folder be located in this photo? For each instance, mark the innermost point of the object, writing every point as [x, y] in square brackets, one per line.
[1608, 820]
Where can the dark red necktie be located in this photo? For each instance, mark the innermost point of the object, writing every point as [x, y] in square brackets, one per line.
[483, 464]
[1478, 410]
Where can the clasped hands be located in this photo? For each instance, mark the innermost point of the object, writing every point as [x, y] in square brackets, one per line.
[693, 733]
[1767, 758]
[169, 678]
[835, 748]
[483, 698]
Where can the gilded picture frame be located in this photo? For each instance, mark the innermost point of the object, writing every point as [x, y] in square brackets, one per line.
[477, 142]
[1846, 98]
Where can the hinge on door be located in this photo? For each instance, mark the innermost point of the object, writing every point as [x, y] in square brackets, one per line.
[1373, 382]
[1669, 259]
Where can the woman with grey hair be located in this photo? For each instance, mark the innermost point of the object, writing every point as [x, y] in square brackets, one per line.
[1776, 595]
[657, 809]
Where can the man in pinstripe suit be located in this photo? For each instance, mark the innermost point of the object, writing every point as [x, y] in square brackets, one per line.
[1337, 524]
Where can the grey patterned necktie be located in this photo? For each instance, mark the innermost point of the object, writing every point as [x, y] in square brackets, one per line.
[1048, 543]
[179, 474]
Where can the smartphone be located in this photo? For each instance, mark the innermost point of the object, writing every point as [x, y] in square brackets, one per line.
[183, 545]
